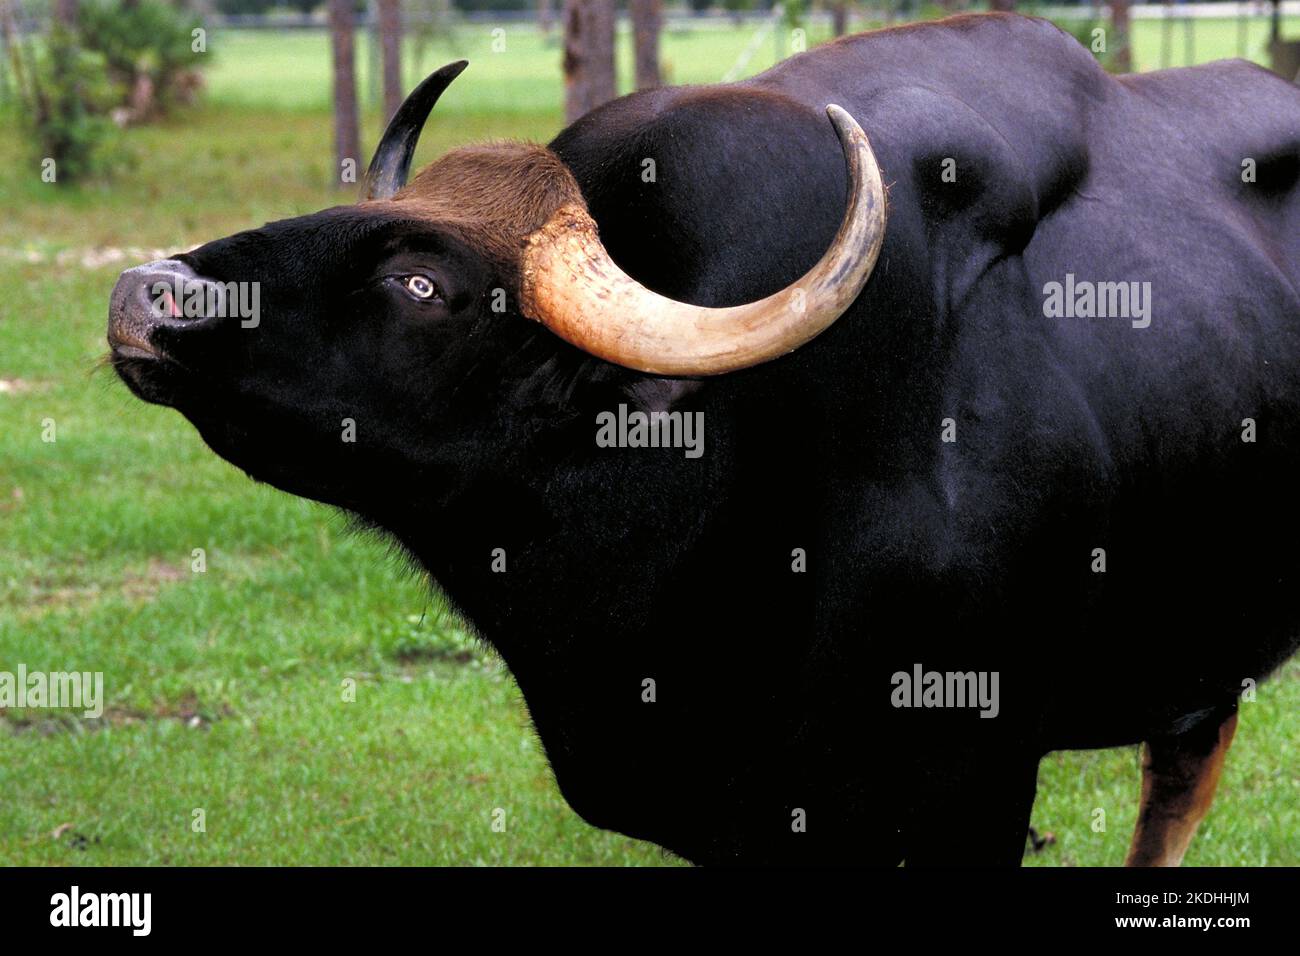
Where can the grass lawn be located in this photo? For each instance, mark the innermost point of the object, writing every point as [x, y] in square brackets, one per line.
[225, 688]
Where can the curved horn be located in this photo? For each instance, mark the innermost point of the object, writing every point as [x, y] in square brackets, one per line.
[392, 160]
[572, 286]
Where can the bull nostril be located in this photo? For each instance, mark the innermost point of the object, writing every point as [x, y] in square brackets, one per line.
[163, 301]
[181, 295]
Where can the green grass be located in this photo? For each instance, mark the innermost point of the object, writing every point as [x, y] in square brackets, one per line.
[224, 688]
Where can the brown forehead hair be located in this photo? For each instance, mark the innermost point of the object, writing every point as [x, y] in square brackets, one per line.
[491, 196]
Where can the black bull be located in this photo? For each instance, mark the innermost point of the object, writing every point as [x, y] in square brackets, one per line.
[1053, 445]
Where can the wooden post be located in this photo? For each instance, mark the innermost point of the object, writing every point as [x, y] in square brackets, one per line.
[647, 21]
[347, 139]
[390, 39]
[1119, 13]
[589, 78]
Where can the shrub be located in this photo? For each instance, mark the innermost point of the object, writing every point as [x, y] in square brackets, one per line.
[793, 13]
[149, 51]
[63, 96]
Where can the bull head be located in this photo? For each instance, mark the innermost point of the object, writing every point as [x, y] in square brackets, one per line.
[406, 315]
[572, 286]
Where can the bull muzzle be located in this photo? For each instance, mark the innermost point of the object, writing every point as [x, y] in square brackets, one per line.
[151, 297]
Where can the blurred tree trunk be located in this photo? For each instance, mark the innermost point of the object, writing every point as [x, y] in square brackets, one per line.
[65, 12]
[839, 17]
[1002, 6]
[1119, 16]
[546, 16]
[588, 55]
[390, 38]
[347, 140]
[13, 78]
[647, 21]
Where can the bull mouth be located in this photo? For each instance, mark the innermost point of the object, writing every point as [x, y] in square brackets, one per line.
[131, 350]
[150, 375]
[120, 352]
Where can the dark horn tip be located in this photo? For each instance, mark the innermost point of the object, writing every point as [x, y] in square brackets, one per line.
[449, 72]
[391, 163]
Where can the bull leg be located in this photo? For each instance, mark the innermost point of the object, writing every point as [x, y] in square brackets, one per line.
[1179, 776]
[978, 817]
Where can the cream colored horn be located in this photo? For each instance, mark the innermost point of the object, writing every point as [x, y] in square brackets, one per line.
[572, 286]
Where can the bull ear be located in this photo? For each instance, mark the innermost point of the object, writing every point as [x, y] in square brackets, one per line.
[392, 161]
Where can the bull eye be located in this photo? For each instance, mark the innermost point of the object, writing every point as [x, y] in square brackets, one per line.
[420, 287]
